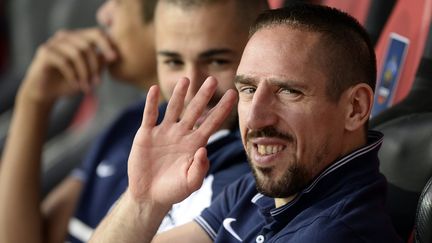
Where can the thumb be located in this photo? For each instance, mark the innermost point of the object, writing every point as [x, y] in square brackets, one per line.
[198, 169]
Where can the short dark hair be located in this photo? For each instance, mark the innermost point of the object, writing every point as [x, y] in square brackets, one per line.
[351, 56]
[148, 10]
[248, 10]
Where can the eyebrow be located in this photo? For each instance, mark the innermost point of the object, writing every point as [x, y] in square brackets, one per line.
[168, 53]
[285, 83]
[214, 52]
[241, 79]
[203, 55]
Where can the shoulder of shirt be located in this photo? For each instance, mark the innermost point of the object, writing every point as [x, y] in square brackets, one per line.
[323, 229]
[243, 184]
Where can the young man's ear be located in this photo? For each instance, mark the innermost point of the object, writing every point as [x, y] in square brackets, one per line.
[360, 100]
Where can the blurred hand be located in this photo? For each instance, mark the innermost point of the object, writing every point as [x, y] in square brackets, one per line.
[69, 62]
[169, 161]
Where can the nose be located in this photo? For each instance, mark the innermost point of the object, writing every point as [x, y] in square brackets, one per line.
[262, 109]
[197, 76]
[104, 14]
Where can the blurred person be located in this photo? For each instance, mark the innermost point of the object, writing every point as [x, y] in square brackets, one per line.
[4, 42]
[68, 63]
[184, 48]
[305, 90]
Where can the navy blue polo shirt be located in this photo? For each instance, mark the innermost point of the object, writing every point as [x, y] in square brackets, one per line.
[345, 203]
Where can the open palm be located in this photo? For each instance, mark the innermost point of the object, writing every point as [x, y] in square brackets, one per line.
[168, 161]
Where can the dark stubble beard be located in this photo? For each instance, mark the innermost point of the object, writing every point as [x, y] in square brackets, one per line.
[292, 181]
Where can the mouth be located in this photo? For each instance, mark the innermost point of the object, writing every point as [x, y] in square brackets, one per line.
[268, 145]
[265, 150]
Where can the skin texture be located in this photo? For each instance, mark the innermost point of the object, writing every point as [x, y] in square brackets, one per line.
[68, 63]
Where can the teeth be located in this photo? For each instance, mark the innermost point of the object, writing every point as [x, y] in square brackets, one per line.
[269, 149]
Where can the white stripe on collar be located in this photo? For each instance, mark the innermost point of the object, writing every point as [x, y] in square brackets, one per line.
[218, 135]
[257, 197]
[201, 221]
[79, 230]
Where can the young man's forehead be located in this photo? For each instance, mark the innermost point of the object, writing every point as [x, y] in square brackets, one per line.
[212, 11]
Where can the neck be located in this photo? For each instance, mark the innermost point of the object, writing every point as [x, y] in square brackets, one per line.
[279, 202]
[356, 140]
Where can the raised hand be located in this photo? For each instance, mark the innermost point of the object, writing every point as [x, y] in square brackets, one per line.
[68, 62]
[168, 161]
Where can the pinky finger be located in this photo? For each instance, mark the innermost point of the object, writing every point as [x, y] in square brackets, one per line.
[198, 169]
[151, 112]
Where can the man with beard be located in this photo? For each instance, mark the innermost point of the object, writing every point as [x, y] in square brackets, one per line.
[305, 85]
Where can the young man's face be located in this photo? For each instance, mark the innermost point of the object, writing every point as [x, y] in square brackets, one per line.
[196, 43]
[133, 38]
[290, 129]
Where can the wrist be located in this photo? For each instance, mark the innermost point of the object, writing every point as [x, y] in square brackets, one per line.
[28, 98]
[131, 220]
[146, 209]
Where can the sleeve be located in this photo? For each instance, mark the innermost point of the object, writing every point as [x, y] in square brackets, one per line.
[131, 118]
[104, 140]
[212, 217]
[324, 229]
[224, 178]
[89, 164]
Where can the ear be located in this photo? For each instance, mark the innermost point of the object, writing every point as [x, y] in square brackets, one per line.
[360, 100]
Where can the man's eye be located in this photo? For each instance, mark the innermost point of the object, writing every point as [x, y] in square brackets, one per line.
[173, 63]
[247, 90]
[289, 91]
[219, 62]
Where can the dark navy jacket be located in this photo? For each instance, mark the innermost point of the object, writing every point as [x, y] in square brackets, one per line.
[345, 203]
[104, 172]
